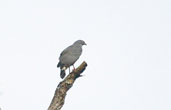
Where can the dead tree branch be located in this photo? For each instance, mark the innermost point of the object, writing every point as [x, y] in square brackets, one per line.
[64, 86]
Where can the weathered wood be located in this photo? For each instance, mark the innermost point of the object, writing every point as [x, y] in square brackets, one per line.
[64, 86]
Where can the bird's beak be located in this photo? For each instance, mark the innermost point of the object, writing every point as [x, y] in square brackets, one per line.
[85, 44]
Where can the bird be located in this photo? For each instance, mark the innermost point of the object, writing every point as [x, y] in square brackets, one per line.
[69, 56]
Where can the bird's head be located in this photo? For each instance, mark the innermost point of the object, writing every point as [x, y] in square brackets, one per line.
[80, 42]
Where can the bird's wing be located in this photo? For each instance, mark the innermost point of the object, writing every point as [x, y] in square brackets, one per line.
[66, 51]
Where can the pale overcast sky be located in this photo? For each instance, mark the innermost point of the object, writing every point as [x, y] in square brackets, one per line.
[128, 53]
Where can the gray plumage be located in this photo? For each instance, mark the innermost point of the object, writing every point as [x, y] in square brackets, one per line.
[69, 56]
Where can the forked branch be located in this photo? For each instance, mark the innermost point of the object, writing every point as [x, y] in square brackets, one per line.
[64, 86]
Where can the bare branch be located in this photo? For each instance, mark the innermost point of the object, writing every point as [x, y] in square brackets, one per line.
[64, 86]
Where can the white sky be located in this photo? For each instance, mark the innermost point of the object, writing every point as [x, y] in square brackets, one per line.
[128, 53]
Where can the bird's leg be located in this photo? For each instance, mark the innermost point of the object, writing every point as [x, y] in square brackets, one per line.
[73, 68]
[69, 69]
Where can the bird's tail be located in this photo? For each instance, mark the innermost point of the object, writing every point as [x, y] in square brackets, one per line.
[59, 64]
[62, 74]
[63, 68]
